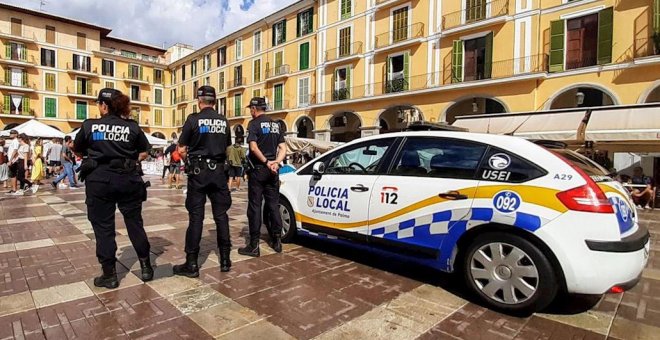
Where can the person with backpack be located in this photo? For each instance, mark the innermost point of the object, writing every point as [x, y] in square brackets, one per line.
[175, 169]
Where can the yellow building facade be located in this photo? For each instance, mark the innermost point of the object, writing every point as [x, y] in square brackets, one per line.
[341, 69]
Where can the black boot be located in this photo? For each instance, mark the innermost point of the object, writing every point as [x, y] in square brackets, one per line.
[188, 269]
[225, 262]
[108, 279]
[276, 242]
[251, 249]
[147, 270]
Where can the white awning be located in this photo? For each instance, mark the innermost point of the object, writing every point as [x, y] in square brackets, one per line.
[34, 128]
[624, 124]
[494, 124]
[558, 126]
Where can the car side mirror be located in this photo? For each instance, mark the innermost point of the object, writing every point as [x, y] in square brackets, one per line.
[318, 170]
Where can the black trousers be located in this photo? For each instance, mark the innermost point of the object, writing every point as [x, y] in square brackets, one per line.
[211, 184]
[263, 185]
[106, 190]
[20, 175]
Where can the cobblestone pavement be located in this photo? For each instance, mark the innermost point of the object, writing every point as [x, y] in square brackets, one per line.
[313, 290]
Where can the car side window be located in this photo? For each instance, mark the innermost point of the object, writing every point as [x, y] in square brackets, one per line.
[504, 166]
[438, 157]
[361, 159]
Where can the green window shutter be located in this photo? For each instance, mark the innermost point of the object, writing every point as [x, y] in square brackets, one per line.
[8, 51]
[26, 105]
[7, 104]
[278, 60]
[7, 76]
[89, 88]
[24, 78]
[348, 82]
[656, 16]
[406, 70]
[79, 85]
[140, 73]
[457, 62]
[488, 67]
[50, 107]
[557, 46]
[304, 56]
[605, 35]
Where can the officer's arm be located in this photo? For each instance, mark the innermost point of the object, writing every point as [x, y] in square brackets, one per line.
[254, 150]
[281, 153]
[142, 156]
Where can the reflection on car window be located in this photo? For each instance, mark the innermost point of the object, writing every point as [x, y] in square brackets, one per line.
[438, 157]
[362, 159]
[582, 162]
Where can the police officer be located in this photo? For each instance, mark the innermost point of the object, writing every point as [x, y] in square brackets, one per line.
[113, 147]
[204, 140]
[267, 151]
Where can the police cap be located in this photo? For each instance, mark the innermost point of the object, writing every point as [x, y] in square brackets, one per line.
[106, 95]
[206, 91]
[258, 102]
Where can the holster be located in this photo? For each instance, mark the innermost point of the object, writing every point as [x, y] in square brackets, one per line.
[87, 166]
[144, 190]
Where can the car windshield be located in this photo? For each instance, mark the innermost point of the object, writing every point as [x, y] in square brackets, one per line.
[591, 168]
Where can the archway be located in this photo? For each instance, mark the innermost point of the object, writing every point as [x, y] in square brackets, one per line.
[344, 127]
[11, 126]
[473, 106]
[397, 118]
[158, 135]
[581, 96]
[305, 127]
[653, 96]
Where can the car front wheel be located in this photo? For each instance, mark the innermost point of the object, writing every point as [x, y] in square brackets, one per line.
[509, 273]
[288, 221]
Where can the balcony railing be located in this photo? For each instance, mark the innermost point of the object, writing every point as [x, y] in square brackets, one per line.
[484, 10]
[76, 68]
[151, 59]
[135, 77]
[398, 35]
[503, 69]
[21, 85]
[647, 47]
[343, 51]
[29, 113]
[306, 100]
[278, 71]
[237, 112]
[180, 99]
[140, 100]
[19, 37]
[238, 82]
[84, 92]
[278, 105]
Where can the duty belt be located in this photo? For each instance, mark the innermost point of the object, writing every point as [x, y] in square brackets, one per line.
[196, 164]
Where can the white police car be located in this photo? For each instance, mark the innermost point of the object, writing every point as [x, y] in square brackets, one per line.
[520, 221]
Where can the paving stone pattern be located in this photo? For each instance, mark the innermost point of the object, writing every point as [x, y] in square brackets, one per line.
[314, 290]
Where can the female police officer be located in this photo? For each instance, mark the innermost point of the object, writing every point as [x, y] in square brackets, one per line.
[114, 146]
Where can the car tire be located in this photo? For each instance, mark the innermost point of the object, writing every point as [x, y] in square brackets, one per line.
[288, 221]
[519, 281]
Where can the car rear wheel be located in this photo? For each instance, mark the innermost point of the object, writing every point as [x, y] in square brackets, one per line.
[288, 221]
[509, 273]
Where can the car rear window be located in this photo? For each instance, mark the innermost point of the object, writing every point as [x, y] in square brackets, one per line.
[587, 165]
[504, 166]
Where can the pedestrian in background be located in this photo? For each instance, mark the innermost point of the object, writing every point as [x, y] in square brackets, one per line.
[236, 158]
[4, 169]
[37, 165]
[67, 159]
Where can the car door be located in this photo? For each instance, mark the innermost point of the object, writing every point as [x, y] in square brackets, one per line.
[426, 194]
[335, 202]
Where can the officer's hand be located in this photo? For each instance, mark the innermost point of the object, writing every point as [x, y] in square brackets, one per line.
[272, 166]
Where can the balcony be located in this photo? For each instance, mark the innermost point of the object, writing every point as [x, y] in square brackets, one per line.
[486, 12]
[19, 59]
[278, 105]
[278, 72]
[535, 64]
[87, 94]
[18, 114]
[380, 2]
[180, 100]
[18, 37]
[18, 87]
[238, 83]
[115, 53]
[135, 79]
[305, 101]
[237, 113]
[140, 100]
[403, 36]
[647, 47]
[77, 70]
[343, 53]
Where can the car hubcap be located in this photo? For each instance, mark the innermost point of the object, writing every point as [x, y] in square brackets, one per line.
[504, 273]
[286, 219]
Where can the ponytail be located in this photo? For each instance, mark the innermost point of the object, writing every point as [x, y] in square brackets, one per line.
[120, 105]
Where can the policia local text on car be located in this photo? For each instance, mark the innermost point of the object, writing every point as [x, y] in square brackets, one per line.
[113, 146]
[267, 151]
[204, 141]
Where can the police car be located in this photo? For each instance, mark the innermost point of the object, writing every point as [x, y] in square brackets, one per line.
[518, 221]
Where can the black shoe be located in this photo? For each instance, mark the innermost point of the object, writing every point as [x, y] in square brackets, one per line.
[54, 185]
[251, 249]
[189, 268]
[108, 279]
[147, 270]
[225, 262]
[276, 243]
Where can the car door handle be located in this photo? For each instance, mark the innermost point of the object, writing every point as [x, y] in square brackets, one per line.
[453, 195]
[360, 188]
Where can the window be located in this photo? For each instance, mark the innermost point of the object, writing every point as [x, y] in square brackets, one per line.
[221, 81]
[108, 68]
[158, 117]
[135, 114]
[397, 73]
[475, 10]
[183, 72]
[50, 82]
[16, 105]
[342, 83]
[193, 68]
[238, 105]
[50, 34]
[344, 42]
[135, 92]
[239, 49]
[238, 76]
[305, 22]
[517, 171]
[257, 70]
[50, 107]
[581, 42]
[194, 108]
[279, 33]
[16, 27]
[16, 77]
[346, 9]
[173, 98]
[84, 86]
[438, 157]
[194, 89]
[222, 56]
[304, 56]
[362, 159]
[16, 51]
[400, 24]
[207, 62]
[222, 106]
[47, 57]
[257, 42]
[82, 41]
[207, 81]
[81, 63]
[472, 59]
[135, 72]
[303, 92]
[110, 84]
[81, 110]
[158, 76]
[128, 54]
[256, 93]
[173, 77]
[278, 100]
[158, 96]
